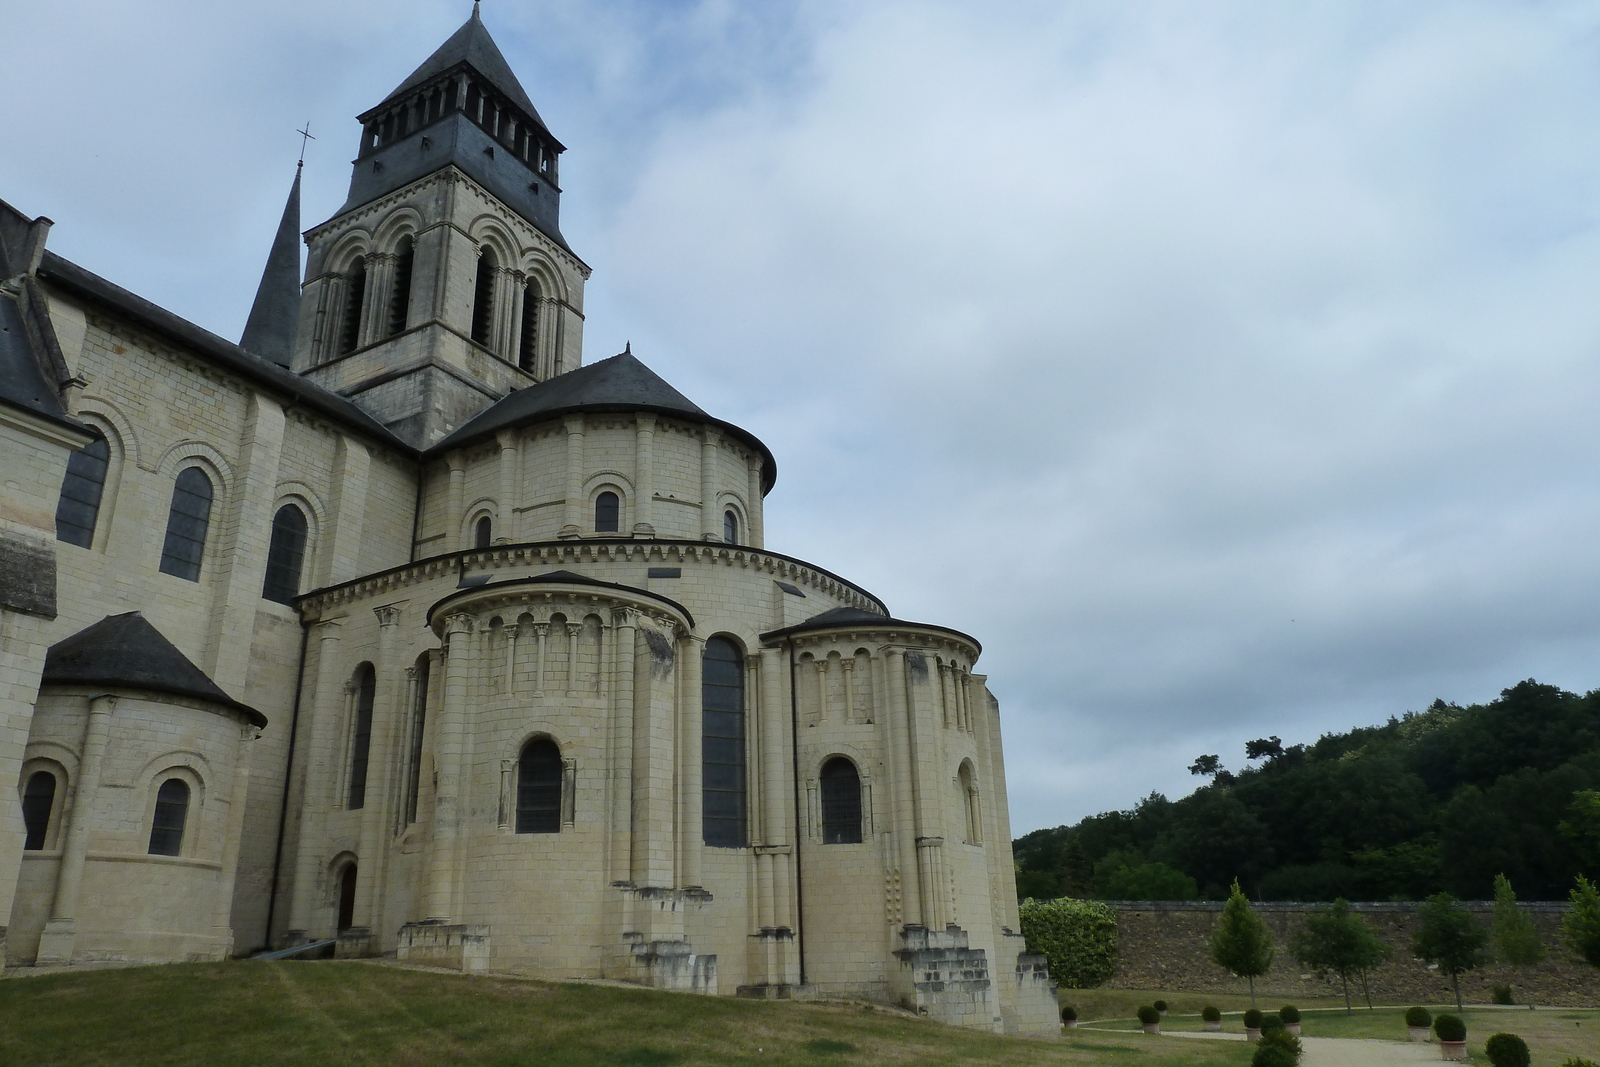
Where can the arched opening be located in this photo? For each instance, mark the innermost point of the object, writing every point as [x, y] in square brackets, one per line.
[539, 772]
[79, 507]
[187, 521]
[347, 897]
[967, 788]
[400, 297]
[171, 813]
[38, 801]
[361, 740]
[841, 803]
[730, 527]
[607, 512]
[285, 555]
[419, 719]
[483, 297]
[482, 533]
[722, 801]
[355, 295]
[528, 343]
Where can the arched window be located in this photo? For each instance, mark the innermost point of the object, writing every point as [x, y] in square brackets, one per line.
[722, 804]
[419, 717]
[79, 506]
[187, 522]
[841, 803]
[361, 741]
[483, 298]
[400, 296]
[528, 346]
[172, 811]
[607, 513]
[38, 800]
[730, 527]
[285, 555]
[347, 898]
[355, 295]
[539, 788]
[482, 533]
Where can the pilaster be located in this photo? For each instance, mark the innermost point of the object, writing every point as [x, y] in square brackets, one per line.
[60, 932]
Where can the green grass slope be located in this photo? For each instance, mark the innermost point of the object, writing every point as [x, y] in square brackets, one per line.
[249, 1014]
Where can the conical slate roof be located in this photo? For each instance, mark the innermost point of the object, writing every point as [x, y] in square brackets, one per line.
[126, 651]
[855, 618]
[269, 332]
[472, 45]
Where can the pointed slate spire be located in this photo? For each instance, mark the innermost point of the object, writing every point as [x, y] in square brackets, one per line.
[472, 45]
[269, 332]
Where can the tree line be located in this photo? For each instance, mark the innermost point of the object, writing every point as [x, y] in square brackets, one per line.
[1439, 801]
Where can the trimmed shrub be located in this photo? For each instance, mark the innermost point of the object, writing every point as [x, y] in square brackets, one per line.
[1210, 1014]
[1501, 995]
[1252, 1019]
[1161, 1006]
[1069, 1014]
[1450, 1028]
[1078, 936]
[1278, 1047]
[1148, 1015]
[1271, 1024]
[1418, 1016]
[1289, 1013]
[1507, 1050]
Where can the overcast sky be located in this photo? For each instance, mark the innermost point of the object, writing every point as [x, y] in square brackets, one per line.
[1227, 369]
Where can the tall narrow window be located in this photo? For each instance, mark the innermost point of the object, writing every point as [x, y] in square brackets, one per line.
[347, 898]
[361, 741]
[607, 513]
[841, 803]
[528, 345]
[285, 555]
[187, 522]
[38, 800]
[730, 528]
[355, 295]
[400, 297]
[539, 788]
[722, 803]
[79, 507]
[483, 298]
[172, 811]
[418, 723]
[482, 533]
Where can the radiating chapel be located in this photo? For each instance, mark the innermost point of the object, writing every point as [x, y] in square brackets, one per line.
[398, 625]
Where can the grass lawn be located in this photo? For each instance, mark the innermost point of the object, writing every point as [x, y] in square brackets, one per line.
[260, 1014]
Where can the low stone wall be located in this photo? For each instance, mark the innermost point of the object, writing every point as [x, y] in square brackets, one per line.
[1164, 945]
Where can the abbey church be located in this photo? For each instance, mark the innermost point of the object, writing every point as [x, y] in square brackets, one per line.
[397, 625]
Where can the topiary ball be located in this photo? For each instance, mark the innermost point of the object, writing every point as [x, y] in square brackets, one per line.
[1271, 1024]
[1161, 1006]
[1148, 1015]
[1507, 1050]
[1289, 1013]
[1273, 1056]
[1210, 1014]
[1418, 1016]
[1069, 1014]
[1252, 1019]
[1283, 1039]
[1450, 1028]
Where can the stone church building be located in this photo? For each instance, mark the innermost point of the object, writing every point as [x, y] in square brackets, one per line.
[397, 624]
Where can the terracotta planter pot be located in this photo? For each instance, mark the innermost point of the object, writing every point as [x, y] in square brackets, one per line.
[1418, 1033]
[1293, 1028]
[1151, 1028]
[1252, 1033]
[1453, 1050]
[1214, 1027]
[1069, 1023]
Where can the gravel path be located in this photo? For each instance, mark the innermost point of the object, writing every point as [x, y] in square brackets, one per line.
[1340, 1051]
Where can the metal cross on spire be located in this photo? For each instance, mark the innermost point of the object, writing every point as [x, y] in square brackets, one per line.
[305, 136]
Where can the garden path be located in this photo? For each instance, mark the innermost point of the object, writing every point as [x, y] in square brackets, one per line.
[1344, 1051]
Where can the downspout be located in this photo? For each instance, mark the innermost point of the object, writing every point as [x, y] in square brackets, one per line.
[416, 513]
[288, 769]
[794, 752]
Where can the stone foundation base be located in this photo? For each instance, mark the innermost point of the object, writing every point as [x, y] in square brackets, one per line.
[670, 965]
[1028, 1006]
[354, 943]
[940, 977]
[462, 946]
[56, 943]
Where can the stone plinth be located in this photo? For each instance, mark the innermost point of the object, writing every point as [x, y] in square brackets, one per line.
[463, 946]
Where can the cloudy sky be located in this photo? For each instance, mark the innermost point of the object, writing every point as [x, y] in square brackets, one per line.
[1227, 369]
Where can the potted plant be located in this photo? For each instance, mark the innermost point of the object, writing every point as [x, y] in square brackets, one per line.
[1291, 1018]
[1211, 1017]
[1507, 1050]
[1452, 1035]
[1252, 1025]
[1418, 1020]
[1069, 1016]
[1150, 1019]
[1161, 1006]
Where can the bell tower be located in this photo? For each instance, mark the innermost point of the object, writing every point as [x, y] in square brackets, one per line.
[444, 283]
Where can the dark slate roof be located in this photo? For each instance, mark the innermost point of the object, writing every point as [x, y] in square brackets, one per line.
[269, 332]
[472, 45]
[857, 619]
[126, 651]
[68, 276]
[22, 379]
[621, 383]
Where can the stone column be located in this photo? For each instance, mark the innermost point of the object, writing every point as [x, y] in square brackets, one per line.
[654, 767]
[847, 664]
[457, 537]
[710, 521]
[449, 804]
[373, 311]
[770, 755]
[222, 923]
[347, 514]
[691, 830]
[754, 503]
[327, 699]
[926, 777]
[573, 521]
[509, 453]
[621, 791]
[61, 931]
[905, 818]
[509, 630]
[574, 630]
[644, 485]
[540, 629]
[381, 765]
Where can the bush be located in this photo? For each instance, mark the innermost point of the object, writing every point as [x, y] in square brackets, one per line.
[1450, 1028]
[1161, 1006]
[1507, 1050]
[1289, 1013]
[1069, 1014]
[1210, 1014]
[1418, 1016]
[1078, 936]
[1148, 1015]
[1578, 1061]
[1278, 1047]
[1271, 1024]
[1252, 1019]
[1502, 995]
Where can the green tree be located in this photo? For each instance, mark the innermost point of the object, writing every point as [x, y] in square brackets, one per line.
[1336, 940]
[1079, 937]
[1515, 937]
[1448, 938]
[1241, 943]
[1582, 923]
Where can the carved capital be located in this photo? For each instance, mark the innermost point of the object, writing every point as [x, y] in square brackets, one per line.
[328, 629]
[461, 622]
[626, 615]
[574, 629]
[388, 615]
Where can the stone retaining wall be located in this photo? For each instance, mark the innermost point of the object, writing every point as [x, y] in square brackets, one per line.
[1164, 945]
